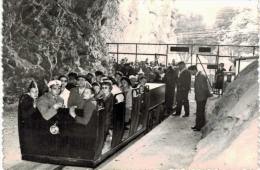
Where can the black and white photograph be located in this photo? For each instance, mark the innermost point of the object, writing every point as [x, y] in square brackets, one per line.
[130, 84]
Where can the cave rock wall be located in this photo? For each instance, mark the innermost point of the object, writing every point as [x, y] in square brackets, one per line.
[44, 38]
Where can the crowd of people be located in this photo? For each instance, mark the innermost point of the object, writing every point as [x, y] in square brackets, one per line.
[78, 91]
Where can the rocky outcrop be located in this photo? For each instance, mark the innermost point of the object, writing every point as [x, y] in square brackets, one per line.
[229, 121]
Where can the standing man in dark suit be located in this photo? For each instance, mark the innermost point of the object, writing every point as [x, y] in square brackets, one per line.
[201, 95]
[170, 80]
[183, 88]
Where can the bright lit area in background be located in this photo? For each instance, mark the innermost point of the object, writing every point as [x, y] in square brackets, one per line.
[209, 8]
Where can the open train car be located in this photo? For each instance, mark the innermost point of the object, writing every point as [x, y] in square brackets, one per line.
[62, 141]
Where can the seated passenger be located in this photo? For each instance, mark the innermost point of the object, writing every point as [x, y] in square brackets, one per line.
[108, 101]
[99, 75]
[50, 102]
[89, 105]
[118, 77]
[116, 90]
[90, 78]
[97, 90]
[27, 105]
[133, 80]
[65, 93]
[142, 83]
[28, 116]
[72, 82]
[157, 75]
[76, 94]
[127, 90]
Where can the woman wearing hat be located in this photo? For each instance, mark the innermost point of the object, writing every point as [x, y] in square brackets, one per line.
[116, 90]
[142, 83]
[50, 102]
[27, 104]
[118, 77]
[28, 116]
[133, 80]
[97, 90]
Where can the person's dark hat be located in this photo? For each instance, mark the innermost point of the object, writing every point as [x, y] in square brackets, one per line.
[61, 76]
[181, 63]
[99, 73]
[95, 84]
[82, 76]
[90, 75]
[112, 80]
[193, 67]
[119, 73]
[33, 84]
[127, 80]
[72, 74]
[142, 77]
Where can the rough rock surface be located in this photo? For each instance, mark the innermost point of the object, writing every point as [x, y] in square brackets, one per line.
[45, 38]
[231, 132]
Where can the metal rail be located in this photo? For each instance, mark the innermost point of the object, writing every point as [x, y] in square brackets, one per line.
[137, 53]
[191, 52]
[207, 45]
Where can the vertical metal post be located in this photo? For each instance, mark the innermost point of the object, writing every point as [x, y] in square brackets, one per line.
[167, 54]
[253, 51]
[197, 55]
[238, 66]
[117, 50]
[191, 50]
[135, 53]
[217, 60]
[218, 55]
